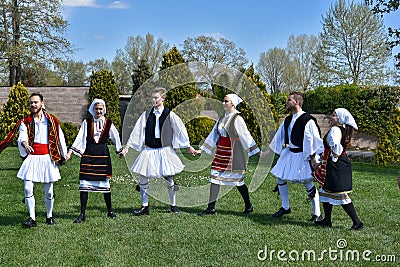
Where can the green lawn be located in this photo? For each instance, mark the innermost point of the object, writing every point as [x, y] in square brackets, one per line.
[226, 239]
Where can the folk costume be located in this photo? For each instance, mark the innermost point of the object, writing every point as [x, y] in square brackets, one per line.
[297, 139]
[338, 180]
[232, 138]
[47, 140]
[155, 135]
[95, 168]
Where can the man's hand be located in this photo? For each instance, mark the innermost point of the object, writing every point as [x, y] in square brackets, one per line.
[28, 148]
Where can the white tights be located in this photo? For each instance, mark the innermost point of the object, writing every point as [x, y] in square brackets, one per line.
[144, 189]
[284, 193]
[30, 199]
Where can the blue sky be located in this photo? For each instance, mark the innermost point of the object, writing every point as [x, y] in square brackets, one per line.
[97, 28]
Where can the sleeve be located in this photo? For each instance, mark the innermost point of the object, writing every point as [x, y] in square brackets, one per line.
[23, 136]
[211, 140]
[277, 142]
[245, 137]
[79, 145]
[137, 137]
[180, 137]
[312, 142]
[334, 138]
[63, 145]
[114, 136]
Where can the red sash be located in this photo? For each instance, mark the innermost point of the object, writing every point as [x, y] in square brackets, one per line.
[40, 149]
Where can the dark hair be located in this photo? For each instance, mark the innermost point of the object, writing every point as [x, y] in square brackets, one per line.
[37, 94]
[298, 97]
[348, 134]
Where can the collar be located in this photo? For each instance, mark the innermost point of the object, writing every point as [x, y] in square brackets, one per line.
[99, 119]
[158, 111]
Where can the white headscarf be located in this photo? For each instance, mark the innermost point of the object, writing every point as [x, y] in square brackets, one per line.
[97, 101]
[345, 117]
[235, 99]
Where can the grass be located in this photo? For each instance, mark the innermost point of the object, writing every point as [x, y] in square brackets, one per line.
[164, 239]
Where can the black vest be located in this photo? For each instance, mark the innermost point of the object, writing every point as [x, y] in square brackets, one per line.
[297, 134]
[165, 130]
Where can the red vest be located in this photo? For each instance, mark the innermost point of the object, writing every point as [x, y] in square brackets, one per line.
[54, 137]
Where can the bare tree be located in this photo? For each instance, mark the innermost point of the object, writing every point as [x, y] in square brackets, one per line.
[300, 50]
[272, 67]
[215, 53]
[31, 31]
[353, 45]
[127, 60]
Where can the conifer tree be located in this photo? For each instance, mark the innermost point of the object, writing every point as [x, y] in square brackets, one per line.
[102, 85]
[16, 108]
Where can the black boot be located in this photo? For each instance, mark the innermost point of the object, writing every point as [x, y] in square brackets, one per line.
[144, 210]
[107, 199]
[327, 221]
[351, 211]
[210, 210]
[244, 192]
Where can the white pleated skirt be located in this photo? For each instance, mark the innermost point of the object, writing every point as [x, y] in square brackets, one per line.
[227, 178]
[95, 186]
[39, 168]
[291, 167]
[157, 163]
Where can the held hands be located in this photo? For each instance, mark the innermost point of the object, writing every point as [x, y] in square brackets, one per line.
[314, 162]
[68, 156]
[124, 152]
[192, 151]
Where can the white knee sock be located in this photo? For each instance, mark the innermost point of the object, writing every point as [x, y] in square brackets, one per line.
[144, 190]
[169, 181]
[49, 199]
[284, 193]
[30, 199]
[315, 200]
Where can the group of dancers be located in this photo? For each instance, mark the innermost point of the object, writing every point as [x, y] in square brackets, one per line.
[160, 131]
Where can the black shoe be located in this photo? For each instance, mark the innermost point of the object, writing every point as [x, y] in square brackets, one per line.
[324, 223]
[81, 218]
[144, 210]
[281, 212]
[30, 223]
[50, 221]
[207, 212]
[112, 215]
[248, 210]
[357, 227]
[315, 218]
[174, 209]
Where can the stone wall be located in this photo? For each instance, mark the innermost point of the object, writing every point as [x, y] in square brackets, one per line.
[69, 104]
[361, 141]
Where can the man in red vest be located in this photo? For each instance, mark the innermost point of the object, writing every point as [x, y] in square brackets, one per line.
[42, 145]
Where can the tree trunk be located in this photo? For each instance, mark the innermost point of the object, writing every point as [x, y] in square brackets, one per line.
[14, 61]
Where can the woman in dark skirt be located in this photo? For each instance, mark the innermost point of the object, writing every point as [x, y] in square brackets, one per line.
[338, 181]
[95, 168]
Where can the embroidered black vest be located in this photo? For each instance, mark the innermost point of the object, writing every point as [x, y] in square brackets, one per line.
[166, 132]
[297, 134]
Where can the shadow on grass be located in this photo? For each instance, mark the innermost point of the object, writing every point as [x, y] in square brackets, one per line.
[9, 168]
[262, 219]
[12, 220]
